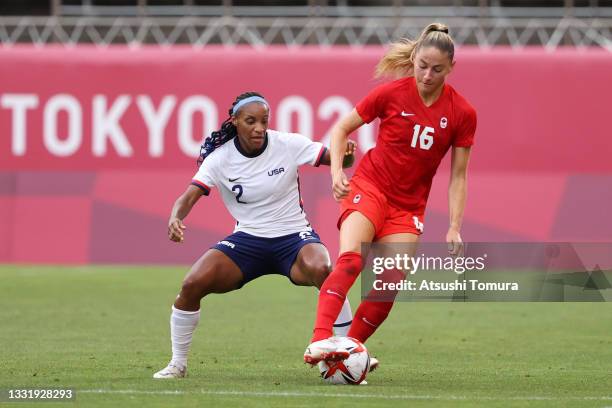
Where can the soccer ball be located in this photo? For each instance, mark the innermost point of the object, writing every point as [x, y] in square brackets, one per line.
[352, 370]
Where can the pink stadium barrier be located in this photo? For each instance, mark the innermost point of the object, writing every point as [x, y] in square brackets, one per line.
[95, 145]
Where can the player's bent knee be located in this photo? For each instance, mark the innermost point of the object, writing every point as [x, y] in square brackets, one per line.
[196, 286]
[191, 289]
[318, 271]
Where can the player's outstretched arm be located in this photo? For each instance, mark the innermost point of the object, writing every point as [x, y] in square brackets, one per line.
[181, 208]
[339, 137]
[349, 155]
[457, 191]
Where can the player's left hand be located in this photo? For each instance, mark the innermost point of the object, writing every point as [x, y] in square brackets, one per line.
[454, 241]
[349, 154]
[351, 146]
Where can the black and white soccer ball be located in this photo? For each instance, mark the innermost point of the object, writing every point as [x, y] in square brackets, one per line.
[352, 370]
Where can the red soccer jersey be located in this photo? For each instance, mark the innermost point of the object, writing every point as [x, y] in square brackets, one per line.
[412, 139]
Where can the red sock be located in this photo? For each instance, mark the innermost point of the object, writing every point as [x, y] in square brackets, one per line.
[368, 317]
[373, 311]
[334, 291]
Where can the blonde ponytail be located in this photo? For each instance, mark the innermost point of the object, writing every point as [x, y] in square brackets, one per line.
[398, 61]
[433, 27]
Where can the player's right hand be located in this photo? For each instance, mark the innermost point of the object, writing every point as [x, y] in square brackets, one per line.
[340, 186]
[175, 230]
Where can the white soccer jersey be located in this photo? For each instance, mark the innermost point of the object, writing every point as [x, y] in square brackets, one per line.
[262, 192]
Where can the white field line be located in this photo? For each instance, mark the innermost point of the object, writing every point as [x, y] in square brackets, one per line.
[286, 394]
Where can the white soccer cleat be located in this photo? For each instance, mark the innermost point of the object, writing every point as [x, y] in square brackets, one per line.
[374, 363]
[171, 371]
[326, 350]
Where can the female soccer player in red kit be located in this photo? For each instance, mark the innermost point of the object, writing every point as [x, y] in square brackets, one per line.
[421, 117]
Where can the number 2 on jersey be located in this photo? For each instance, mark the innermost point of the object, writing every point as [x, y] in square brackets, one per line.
[238, 188]
[425, 138]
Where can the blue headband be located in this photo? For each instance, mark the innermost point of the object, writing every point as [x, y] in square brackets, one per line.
[249, 100]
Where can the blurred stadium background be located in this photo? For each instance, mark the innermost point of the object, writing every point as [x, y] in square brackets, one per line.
[103, 105]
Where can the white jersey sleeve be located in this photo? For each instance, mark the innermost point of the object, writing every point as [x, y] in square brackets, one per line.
[304, 150]
[206, 177]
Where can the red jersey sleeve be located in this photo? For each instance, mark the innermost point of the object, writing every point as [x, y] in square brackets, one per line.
[369, 108]
[464, 135]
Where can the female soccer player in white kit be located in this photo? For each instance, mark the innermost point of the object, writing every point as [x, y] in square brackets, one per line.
[256, 172]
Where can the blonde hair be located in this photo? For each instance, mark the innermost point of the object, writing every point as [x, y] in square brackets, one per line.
[399, 60]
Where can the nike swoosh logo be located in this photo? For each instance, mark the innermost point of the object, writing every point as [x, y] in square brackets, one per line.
[331, 292]
[369, 323]
[407, 114]
[232, 180]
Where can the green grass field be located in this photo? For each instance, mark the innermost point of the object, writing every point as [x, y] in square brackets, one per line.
[104, 331]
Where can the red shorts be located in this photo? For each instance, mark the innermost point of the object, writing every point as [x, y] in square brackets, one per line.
[369, 201]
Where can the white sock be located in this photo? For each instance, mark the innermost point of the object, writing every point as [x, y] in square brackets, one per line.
[182, 325]
[344, 320]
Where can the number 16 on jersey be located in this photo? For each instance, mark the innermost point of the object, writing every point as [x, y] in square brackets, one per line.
[424, 138]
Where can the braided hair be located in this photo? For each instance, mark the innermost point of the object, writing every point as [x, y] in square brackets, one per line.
[227, 132]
